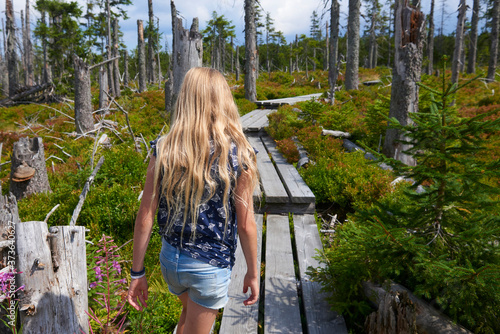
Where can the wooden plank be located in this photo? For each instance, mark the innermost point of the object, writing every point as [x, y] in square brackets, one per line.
[290, 100]
[297, 189]
[280, 208]
[257, 120]
[281, 305]
[238, 318]
[274, 190]
[320, 319]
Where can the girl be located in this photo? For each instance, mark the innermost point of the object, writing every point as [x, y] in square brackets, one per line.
[201, 179]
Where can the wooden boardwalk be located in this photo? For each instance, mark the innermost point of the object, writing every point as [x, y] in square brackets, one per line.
[289, 301]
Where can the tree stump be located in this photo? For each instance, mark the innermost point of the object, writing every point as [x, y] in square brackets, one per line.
[84, 120]
[53, 263]
[187, 51]
[141, 56]
[29, 151]
[103, 88]
[9, 218]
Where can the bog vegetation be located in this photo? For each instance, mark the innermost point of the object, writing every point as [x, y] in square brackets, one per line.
[442, 244]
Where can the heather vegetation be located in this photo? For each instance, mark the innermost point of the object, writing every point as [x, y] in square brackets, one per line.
[389, 232]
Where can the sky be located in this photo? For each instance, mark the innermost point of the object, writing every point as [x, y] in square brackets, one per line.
[290, 16]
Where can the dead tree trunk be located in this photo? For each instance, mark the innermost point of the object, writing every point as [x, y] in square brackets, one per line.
[251, 62]
[169, 88]
[125, 68]
[237, 63]
[109, 47]
[28, 171]
[151, 54]
[47, 71]
[28, 48]
[141, 56]
[232, 55]
[11, 49]
[372, 57]
[84, 121]
[54, 276]
[430, 41]
[408, 34]
[459, 36]
[352, 65]
[495, 29]
[471, 63]
[5, 78]
[188, 52]
[326, 52]
[116, 68]
[103, 88]
[334, 45]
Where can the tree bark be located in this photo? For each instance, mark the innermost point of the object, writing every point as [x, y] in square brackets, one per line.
[326, 58]
[84, 120]
[459, 36]
[169, 88]
[471, 64]
[32, 153]
[28, 49]
[495, 27]
[372, 57]
[141, 55]
[408, 40]
[115, 54]
[430, 41]
[251, 63]
[151, 54]
[188, 53]
[352, 65]
[47, 71]
[11, 49]
[333, 72]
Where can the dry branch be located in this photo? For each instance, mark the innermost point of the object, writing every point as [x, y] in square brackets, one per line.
[103, 63]
[85, 190]
[128, 121]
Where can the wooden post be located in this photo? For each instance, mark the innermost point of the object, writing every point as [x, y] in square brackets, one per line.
[408, 34]
[84, 120]
[141, 56]
[29, 151]
[188, 52]
[54, 276]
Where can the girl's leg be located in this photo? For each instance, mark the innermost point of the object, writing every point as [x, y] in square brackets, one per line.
[182, 320]
[199, 319]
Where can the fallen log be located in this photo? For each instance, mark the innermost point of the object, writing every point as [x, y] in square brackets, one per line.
[20, 96]
[398, 306]
[337, 134]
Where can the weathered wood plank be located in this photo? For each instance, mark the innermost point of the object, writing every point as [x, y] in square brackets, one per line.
[238, 318]
[280, 208]
[281, 305]
[274, 190]
[256, 120]
[289, 100]
[297, 189]
[320, 319]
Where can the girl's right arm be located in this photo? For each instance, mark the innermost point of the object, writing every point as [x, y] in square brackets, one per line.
[247, 231]
[138, 290]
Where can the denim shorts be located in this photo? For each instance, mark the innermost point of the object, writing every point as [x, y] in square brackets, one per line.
[205, 284]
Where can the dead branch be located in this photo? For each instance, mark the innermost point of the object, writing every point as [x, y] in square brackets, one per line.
[126, 118]
[62, 149]
[85, 190]
[103, 62]
[53, 156]
[30, 91]
[50, 213]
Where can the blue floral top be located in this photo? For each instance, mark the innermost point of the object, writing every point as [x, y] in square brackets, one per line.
[211, 245]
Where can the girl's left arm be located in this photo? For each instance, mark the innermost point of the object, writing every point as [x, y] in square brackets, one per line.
[138, 291]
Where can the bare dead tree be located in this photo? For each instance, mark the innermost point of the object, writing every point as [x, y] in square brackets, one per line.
[334, 45]
[28, 48]
[471, 63]
[116, 68]
[459, 36]
[141, 55]
[11, 49]
[251, 52]
[430, 41]
[84, 120]
[352, 65]
[151, 73]
[495, 29]
[408, 40]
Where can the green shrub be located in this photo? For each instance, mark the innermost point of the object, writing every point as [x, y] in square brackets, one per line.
[284, 123]
[245, 106]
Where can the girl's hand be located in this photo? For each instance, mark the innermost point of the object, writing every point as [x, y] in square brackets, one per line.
[253, 284]
[138, 293]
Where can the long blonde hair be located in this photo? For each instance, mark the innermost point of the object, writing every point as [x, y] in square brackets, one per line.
[205, 120]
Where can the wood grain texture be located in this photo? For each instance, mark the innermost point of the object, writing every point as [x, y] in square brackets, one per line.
[281, 305]
[55, 282]
[320, 319]
[256, 120]
[297, 189]
[238, 318]
[274, 190]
